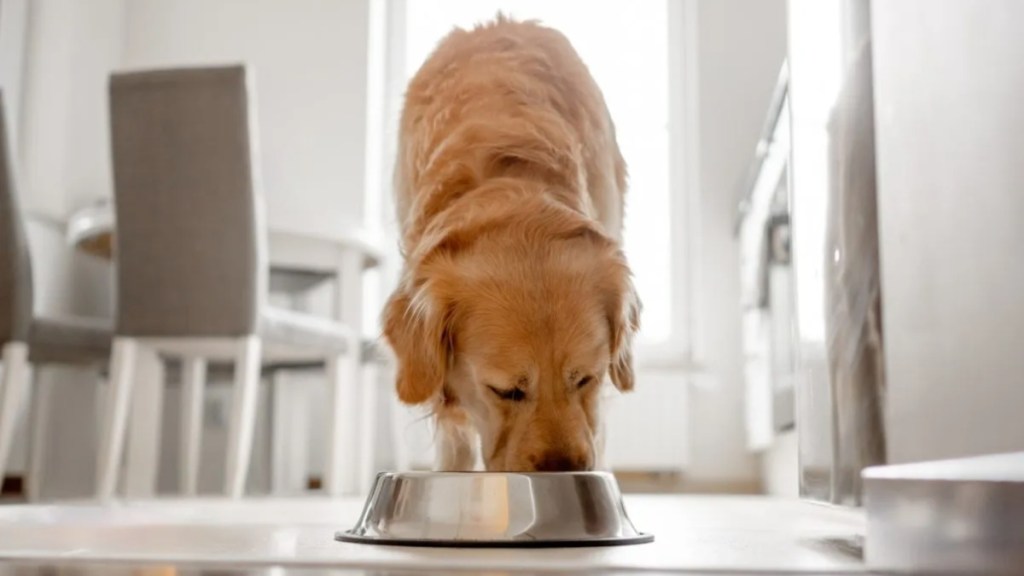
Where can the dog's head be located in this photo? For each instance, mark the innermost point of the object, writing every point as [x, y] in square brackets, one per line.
[517, 319]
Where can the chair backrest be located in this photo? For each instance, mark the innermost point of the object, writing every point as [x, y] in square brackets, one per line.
[15, 269]
[190, 237]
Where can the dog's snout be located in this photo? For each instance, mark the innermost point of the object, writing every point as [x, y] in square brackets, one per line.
[561, 462]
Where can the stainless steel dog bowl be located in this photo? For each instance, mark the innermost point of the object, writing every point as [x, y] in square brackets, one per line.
[486, 509]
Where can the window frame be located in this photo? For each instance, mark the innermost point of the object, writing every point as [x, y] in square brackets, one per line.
[679, 350]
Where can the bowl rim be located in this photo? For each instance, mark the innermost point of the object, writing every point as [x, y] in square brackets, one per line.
[466, 473]
[640, 538]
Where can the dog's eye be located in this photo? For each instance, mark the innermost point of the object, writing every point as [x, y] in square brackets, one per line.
[584, 382]
[512, 395]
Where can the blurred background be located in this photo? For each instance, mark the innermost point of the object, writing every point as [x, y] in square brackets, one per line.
[823, 221]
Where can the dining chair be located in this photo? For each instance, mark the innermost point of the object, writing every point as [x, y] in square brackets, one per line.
[192, 268]
[29, 339]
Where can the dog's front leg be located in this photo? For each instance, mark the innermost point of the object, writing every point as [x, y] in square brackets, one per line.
[457, 443]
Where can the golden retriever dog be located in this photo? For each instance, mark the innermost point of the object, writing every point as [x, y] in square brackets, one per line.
[516, 302]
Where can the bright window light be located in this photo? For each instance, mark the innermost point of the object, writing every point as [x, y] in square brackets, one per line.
[625, 45]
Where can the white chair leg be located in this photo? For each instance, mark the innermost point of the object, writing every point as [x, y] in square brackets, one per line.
[279, 426]
[340, 448]
[289, 435]
[142, 449]
[367, 427]
[193, 386]
[115, 420]
[243, 415]
[14, 386]
[42, 392]
[299, 436]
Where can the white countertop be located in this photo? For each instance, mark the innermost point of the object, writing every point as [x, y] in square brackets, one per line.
[693, 533]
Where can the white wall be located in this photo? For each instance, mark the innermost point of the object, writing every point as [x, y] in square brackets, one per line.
[13, 21]
[65, 151]
[310, 59]
[950, 139]
[741, 47]
[310, 63]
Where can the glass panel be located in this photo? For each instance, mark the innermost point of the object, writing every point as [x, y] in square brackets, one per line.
[839, 376]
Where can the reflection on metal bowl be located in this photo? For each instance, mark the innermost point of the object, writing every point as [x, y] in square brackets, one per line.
[495, 509]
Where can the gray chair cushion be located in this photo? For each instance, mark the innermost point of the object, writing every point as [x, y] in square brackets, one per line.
[372, 353]
[190, 243]
[69, 340]
[190, 230]
[295, 281]
[293, 335]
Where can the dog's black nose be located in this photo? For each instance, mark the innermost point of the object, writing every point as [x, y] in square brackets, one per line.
[561, 462]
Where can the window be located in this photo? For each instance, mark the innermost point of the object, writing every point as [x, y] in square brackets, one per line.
[13, 18]
[626, 46]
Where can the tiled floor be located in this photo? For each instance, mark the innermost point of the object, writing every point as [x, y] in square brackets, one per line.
[693, 533]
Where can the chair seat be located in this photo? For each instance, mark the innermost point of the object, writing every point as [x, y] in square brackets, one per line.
[372, 354]
[69, 339]
[290, 335]
[222, 371]
[295, 281]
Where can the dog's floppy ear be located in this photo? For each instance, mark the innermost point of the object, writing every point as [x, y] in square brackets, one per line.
[417, 326]
[624, 322]
[418, 317]
[623, 305]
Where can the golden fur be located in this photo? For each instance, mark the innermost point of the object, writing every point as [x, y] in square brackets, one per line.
[515, 302]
